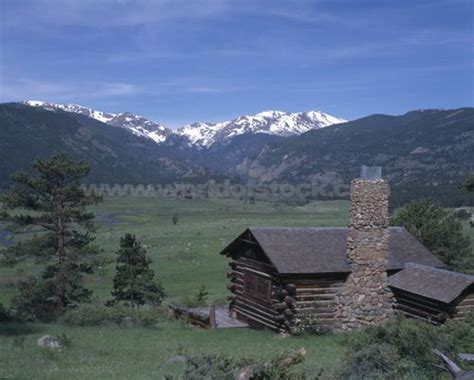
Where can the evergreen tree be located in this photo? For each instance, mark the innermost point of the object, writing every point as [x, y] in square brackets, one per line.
[438, 230]
[468, 186]
[53, 204]
[134, 281]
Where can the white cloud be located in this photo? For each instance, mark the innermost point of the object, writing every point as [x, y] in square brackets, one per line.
[107, 13]
[116, 89]
[26, 88]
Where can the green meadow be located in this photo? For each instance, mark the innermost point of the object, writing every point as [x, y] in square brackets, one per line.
[185, 256]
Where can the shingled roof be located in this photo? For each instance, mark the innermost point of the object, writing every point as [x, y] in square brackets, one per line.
[324, 250]
[434, 283]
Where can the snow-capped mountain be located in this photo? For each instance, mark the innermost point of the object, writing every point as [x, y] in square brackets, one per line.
[204, 135]
[269, 122]
[136, 124]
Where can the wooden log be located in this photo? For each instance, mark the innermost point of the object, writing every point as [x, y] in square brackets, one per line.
[280, 306]
[414, 311]
[291, 289]
[288, 314]
[255, 321]
[281, 294]
[190, 316]
[257, 264]
[265, 306]
[468, 358]
[212, 317]
[280, 318]
[290, 300]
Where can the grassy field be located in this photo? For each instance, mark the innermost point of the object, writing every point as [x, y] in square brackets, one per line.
[185, 256]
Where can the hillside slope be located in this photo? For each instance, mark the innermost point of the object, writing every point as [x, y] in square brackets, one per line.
[116, 155]
[424, 153]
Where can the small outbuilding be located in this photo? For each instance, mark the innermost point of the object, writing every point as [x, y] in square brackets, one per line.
[432, 294]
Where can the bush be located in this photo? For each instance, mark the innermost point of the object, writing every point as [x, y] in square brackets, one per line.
[97, 314]
[34, 302]
[65, 340]
[462, 214]
[198, 300]
[375, 361]
[203, 294]
[308, 325]
[4, 314]
[402, 349]
[221, 367]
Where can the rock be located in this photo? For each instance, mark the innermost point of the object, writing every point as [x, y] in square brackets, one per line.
[246, 373]
[128, 322]
[177, 359]
[49, 341]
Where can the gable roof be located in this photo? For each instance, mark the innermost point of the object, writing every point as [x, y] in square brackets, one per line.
[324, 250]
[438, 284]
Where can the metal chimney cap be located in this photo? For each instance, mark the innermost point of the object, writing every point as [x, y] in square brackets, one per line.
[371, 173]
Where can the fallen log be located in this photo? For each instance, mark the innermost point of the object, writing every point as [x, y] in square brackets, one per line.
[455, 371]
[468, 358]
[191, 316]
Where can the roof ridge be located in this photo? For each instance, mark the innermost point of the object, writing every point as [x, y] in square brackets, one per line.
[312, 228]
[295, 228]
[439, 270]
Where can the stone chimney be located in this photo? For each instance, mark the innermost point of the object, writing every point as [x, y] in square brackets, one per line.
[366, 298]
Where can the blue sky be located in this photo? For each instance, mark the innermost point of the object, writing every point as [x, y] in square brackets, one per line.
[178, 61]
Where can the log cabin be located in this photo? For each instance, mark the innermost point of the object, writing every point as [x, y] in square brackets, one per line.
[279, 275]
[343, 278]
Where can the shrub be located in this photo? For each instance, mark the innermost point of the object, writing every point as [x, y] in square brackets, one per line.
[174, 219]
[402, 349]
[462, 214]
[198, 300]
[19, 342]
[308, 325]
[221, 367]
[34, 302]
[65, 340]
[203, 294]
[4, 314]
[374, 361]
[97, 314]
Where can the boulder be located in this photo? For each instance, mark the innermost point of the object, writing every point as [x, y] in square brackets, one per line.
[49, 341]
[128, 322]
[177, 359]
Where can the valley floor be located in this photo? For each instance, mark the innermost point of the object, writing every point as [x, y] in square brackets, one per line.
[185, 256]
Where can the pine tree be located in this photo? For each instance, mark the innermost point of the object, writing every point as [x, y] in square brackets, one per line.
[134, 281]
[52, 203]
[468, 186]
[438, 230]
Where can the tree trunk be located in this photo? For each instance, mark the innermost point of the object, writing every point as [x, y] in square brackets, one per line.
[61, 256]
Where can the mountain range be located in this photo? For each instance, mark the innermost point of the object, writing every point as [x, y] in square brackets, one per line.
[204, 135]
[422, 152]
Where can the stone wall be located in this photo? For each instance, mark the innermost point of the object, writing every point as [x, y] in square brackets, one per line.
[365, 297]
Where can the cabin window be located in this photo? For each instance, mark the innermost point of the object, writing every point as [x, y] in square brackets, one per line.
[257, 286]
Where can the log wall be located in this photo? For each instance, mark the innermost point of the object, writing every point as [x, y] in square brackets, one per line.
[257, 311]
[317, 297]
[464, 305]
[415, 306]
